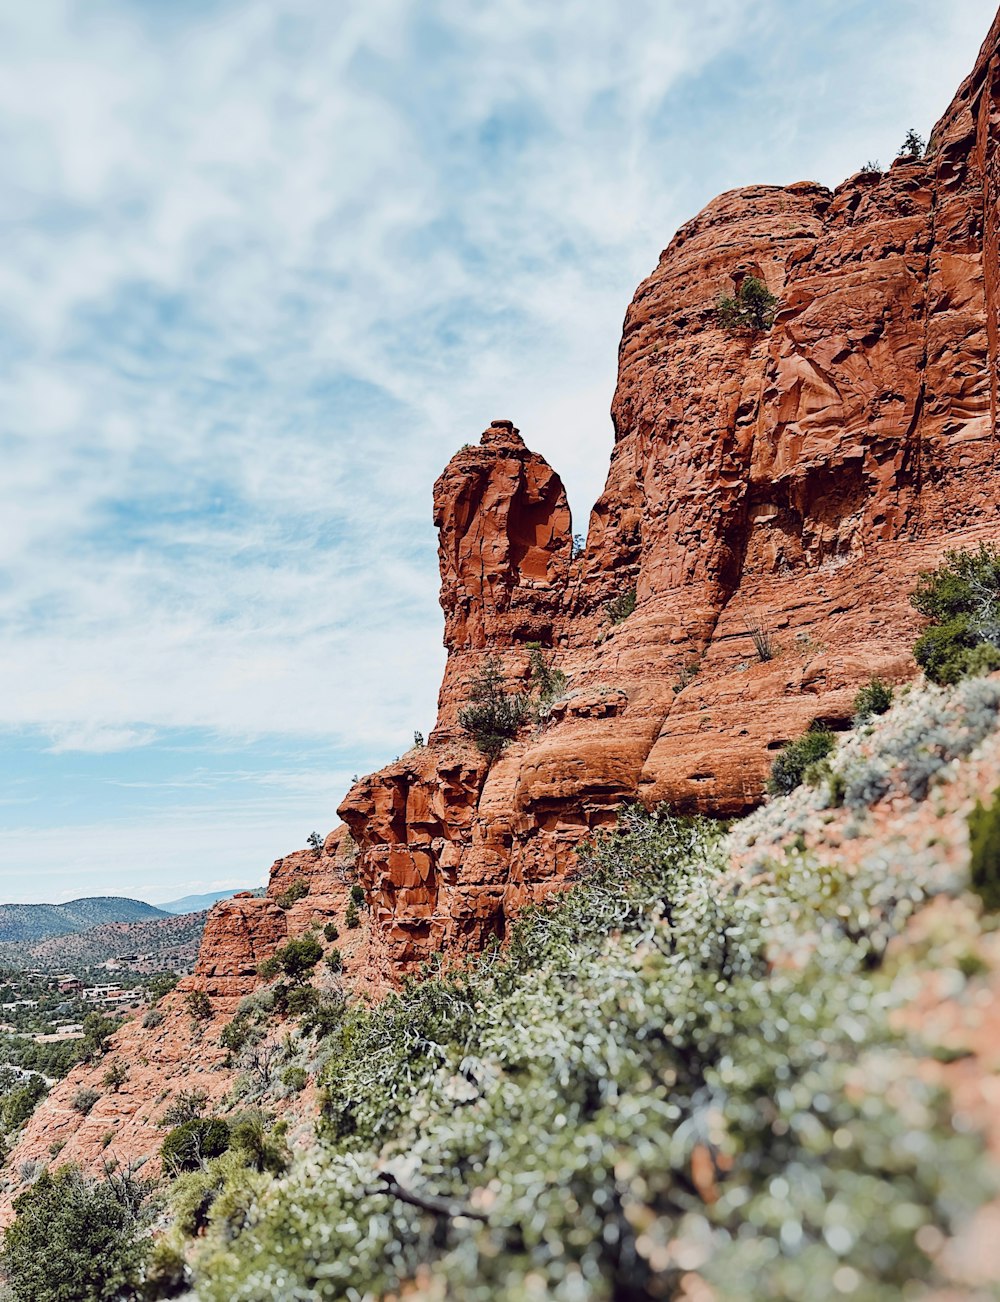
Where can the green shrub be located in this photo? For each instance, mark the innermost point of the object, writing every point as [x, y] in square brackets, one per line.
[750, 310]
[874, 698]
[240, 1033]
[77, 1240]
[20, 1102]
[297, 890]
[97, 1030]
[187, 1105]
[198, 1005]
[191, 1144]
[552, 1105]
[152, 1018]
[335, 960]
[547, 683]
[316, 842]
[351, 917]
[913, 147]
[493, 715]
[295, 960]
[115, 1076]
[789, 768]
[331, 931]
[619, 608]
[984, 851]
[358, 894]
[84, 1099]
[961, 598]
[260, 1147]
[295, 1078]
[300, 1000]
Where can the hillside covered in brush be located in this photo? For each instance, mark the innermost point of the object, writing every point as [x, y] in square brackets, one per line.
[29, 922]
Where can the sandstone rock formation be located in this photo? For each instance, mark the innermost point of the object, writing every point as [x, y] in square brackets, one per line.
[792, 482]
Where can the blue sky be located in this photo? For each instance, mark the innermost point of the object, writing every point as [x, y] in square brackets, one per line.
[264, 266]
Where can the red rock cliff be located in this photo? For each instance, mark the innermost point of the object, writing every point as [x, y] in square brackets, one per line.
[793, 481]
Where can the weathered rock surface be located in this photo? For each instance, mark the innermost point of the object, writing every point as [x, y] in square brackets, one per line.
[793, 481]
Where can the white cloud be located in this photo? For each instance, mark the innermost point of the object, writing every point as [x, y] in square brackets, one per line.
[267, 264]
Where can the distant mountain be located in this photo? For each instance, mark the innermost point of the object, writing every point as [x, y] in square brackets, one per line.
[166, 941]
[31, 922]
[192, 903]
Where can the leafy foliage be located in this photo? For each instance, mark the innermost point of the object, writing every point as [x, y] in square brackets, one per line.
[297, 890]
[914, 146]
[984, 851]
[76, 1240]
[193, 1142]
[331, 931]
[493, 715]
[352, 918]
[872, 699]
[296, 959]
[631, 1090]
[789, 768]
[198, 1005]
[84, 1099]
[750, 310]
[547, 682]
[962, 599]
[620, 607]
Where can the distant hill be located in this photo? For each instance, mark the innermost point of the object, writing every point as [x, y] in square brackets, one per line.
[24, 923]
[192, 903]
[167, 941]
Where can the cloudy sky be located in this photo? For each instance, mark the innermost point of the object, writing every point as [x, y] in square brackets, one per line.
[265, 264]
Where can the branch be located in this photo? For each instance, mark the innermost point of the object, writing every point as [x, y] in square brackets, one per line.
[436, 1206]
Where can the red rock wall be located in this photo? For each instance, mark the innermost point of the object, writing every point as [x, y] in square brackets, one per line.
[796, 480]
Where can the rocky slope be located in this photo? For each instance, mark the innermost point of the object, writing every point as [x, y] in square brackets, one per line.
[794, 481]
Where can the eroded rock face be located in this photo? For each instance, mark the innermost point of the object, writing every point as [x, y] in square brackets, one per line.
[791, 482]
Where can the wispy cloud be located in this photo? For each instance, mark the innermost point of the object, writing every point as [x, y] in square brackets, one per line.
[267, 264]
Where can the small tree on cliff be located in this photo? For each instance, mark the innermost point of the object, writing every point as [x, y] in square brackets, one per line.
[914, 146]
[493, 715]
[750, 310]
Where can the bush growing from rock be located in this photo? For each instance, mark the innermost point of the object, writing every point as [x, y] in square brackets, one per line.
[331, 931]
[493, 715]
[335, 960]
[352, 918]
[115, 1076]
[297, 890]
[85, 1098]
[750, 310]
[295, 960]
[961, 598]
[198, 1005]
[619, 608]
[789, 768]
[191, 1144]
[872, 699]
[152, 1018]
